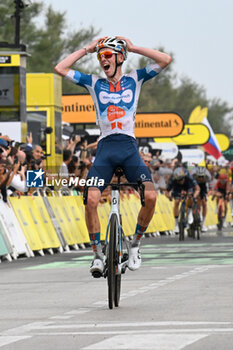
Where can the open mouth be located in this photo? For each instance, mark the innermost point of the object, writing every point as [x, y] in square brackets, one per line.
[106, 67]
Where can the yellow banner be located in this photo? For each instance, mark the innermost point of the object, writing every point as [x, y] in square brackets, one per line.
[223, 141]
[193, 134]
[9, 60]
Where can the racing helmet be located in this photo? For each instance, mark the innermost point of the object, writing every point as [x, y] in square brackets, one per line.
[179, 173]
[222, 177]
[201, 172]
[113, 43]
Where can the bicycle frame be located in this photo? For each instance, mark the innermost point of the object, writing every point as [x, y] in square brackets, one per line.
[115, 209]
[115, 263]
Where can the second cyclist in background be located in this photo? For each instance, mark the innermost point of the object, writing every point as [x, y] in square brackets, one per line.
[222, 190]
[202, 177]
[182, 183]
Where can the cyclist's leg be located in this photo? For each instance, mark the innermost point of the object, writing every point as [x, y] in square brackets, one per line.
[204, 212]
[177, 199]
[189, 206]
[135, 169]
[146, 213]
[102, 170]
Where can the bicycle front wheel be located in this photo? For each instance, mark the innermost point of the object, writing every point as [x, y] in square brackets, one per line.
[111, 260]
[220, 218]
[117, 277]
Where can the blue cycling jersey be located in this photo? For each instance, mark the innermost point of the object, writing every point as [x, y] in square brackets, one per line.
[115, 105]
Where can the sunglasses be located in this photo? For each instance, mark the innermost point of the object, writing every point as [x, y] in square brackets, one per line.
[106, 54]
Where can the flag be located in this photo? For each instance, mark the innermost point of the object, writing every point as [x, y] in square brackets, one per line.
[199, 115]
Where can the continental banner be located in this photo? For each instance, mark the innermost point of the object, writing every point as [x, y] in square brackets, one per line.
[78, 109]
[158, 125]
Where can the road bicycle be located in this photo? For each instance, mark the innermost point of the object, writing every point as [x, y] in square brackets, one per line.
[116, 246]
[195, 227]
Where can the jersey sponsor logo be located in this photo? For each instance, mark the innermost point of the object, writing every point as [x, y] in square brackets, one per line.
[126, 97]
[115, 112]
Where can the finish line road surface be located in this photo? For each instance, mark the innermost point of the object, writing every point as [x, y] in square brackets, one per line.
[181, 298]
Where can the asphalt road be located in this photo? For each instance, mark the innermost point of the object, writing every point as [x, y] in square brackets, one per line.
[181, 298]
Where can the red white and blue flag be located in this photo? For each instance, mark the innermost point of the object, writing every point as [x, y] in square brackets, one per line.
[212, 146]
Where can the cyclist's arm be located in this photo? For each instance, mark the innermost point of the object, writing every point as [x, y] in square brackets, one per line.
[196, 191]
[63, 67]
[161, 58]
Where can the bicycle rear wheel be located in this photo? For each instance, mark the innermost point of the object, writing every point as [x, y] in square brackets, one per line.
[181, 222]
[113, 281]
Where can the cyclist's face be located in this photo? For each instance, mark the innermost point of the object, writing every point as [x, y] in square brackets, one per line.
[200, 179]
[223, 181]
[107, 58]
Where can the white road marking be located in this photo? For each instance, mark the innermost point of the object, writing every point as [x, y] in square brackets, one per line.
[5, 340]
[150, 342]
[133, 332]
[115, 325]
[62, 317]
[81, 310]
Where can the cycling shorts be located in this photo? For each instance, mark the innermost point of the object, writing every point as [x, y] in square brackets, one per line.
[114, 151]
[222, 191]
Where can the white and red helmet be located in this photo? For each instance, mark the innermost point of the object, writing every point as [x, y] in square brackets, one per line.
[117, 45]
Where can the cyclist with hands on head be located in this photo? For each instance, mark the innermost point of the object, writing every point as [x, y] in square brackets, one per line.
[181, 183]
[115, 98]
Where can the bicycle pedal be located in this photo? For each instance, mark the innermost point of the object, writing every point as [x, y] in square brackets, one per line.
[97, 274]
[123, 270]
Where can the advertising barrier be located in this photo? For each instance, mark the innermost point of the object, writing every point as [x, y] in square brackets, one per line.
[26, 226]
[14, 230]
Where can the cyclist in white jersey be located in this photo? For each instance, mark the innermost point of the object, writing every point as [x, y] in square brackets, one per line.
[115, 98]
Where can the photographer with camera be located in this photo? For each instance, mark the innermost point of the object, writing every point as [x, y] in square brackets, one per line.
[12, 172]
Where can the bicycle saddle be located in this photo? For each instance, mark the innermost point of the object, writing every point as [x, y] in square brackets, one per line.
[119, 172]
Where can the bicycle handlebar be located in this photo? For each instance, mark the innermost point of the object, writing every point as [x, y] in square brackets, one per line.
[116, 186]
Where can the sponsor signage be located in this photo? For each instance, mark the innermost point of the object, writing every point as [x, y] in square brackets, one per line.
[158, 125]
[169, 150]
[192, 134]
[78, 109]
[9, 60]
[192, 156]
[5, 59]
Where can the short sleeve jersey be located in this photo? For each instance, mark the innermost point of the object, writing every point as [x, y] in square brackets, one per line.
[115, 105]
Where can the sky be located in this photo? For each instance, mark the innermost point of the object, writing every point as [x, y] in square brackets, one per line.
[198, 32]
